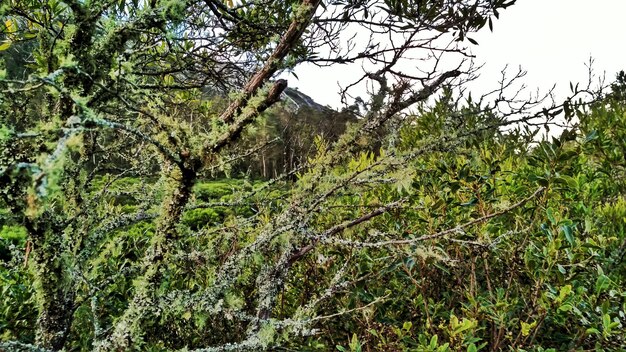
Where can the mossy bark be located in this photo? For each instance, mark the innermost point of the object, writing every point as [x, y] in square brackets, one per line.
[128, 329]
[53, 286]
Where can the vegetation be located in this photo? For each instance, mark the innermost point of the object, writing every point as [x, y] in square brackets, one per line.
[130, 219]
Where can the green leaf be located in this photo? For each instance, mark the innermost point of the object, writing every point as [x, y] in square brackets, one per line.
[472, 348]
[569, 235]
[526, 327]
[550, 215]
[606, 321]
[602, 283]
[591, 136]
[433, 342]
[5, 45]
[10, 26]
[407, 325]
[30, 35]
[355, 344]
[470, 202]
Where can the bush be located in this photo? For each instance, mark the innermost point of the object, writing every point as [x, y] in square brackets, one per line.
[198, 218]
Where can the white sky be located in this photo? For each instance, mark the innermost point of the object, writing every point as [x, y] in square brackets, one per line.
[551, 39]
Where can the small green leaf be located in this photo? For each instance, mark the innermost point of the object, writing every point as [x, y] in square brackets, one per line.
[10, 26]
[470, 202]
[5, 45]
[550, 214]
[433, 342]
[30, 35]
[569, 235]
[526, 327]
[407, 325]
[591, 136]
[606, 320]
[602, 283]
[355, 344]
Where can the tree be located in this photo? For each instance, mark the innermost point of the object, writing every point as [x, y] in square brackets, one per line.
[116, 89]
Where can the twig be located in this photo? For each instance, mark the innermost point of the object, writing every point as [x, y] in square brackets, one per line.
[435, 235]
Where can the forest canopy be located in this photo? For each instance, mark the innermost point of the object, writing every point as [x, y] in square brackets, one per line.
[158, 192]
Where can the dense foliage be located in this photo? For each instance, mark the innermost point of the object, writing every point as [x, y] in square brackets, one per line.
[456, 227]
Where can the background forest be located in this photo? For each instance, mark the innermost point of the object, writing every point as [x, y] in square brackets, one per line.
[162, 189]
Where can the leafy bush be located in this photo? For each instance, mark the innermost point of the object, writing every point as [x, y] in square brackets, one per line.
[198, 218]
[11, 236]
[216, 190]
[546, 276]
[17, 306]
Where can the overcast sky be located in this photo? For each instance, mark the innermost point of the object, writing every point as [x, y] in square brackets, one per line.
[551, 39]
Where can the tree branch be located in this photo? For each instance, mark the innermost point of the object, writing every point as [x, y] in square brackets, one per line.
[286, 44]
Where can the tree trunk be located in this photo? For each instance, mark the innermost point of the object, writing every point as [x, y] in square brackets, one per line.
[129, 327]
[53, 287]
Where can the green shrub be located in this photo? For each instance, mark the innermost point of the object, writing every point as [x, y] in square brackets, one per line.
[11, 236]
[198, 218]
[13, 233]
[215, 190]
